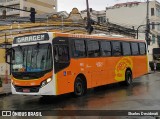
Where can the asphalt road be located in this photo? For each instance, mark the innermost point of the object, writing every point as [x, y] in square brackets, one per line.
[143, 94]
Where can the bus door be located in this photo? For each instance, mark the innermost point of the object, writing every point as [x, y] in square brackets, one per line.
[61, 57]
[61, 62]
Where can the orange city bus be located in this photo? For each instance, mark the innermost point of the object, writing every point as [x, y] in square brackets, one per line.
[57, 63]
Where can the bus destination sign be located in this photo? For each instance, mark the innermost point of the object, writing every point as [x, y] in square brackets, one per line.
[31, 38]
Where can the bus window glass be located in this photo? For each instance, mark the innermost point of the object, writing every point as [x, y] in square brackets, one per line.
[105, 48]
[116, 48]
[61, 53]
[34, 58]
[135, 50]
[93, 49]
[142, 48]
[80, 50]
[126, 48]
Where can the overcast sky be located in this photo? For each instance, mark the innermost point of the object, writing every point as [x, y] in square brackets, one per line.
[67, 5]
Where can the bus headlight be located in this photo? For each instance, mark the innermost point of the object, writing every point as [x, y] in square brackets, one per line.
[49, 80]
[46, 82]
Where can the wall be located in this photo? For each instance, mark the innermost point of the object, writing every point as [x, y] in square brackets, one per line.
[132, 16]
[135, 16]
[41, 6]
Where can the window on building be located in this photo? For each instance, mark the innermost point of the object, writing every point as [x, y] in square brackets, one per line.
[126, 48]
[153, 25]
[158, 27]
[158, 39]
[99, 19]
[105, 48]
[116, 48]
[93, 49]
[135, 49]
[158, 12]
[80, 50]
[152, 11]
[54, 7]
[142, 48]
[102, 19]
[153, 39]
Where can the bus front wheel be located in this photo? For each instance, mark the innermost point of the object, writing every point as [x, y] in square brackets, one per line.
[79, 87]
[128, 78]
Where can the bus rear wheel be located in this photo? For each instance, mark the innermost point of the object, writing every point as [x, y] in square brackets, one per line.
[128, 78]
[79, 87]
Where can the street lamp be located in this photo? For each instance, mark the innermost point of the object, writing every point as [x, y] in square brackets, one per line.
[145, 25]
[138, 29]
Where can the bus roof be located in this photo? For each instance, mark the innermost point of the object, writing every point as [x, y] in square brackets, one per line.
[94, 36]
[97, 37]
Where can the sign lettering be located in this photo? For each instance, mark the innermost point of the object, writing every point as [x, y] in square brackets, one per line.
[31, 38]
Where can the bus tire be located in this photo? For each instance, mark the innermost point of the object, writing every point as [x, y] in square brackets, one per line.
[79, 87]
[128, 78]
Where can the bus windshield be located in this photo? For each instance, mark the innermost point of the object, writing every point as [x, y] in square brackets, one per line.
[33, 58]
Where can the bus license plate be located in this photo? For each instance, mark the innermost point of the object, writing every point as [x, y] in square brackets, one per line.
[26, 90]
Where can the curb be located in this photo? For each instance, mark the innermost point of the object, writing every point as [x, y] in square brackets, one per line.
[5, 94]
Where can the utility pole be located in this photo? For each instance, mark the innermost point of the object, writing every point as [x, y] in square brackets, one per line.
[89, 26]
[147, 25]
[88, 12]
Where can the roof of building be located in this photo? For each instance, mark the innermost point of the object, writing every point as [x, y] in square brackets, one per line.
[127, 3]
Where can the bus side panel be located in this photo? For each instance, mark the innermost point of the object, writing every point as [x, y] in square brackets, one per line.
[99, 71]
[140, 66]
[115, 69]
[67, 76]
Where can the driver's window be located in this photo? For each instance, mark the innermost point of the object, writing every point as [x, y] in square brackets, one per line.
[56, 57]
[61, 53]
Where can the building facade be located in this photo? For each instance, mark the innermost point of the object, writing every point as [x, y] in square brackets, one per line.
[133, 14]
[41, 7]
[98, 16]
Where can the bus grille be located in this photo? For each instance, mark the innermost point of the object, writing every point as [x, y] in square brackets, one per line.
[30, 89]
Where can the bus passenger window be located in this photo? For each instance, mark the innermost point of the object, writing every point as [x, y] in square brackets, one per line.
[126, 48]
[80, 50]
[116, 49]
[142, 48]
[135, 50]
[105, 48]
[93, 49]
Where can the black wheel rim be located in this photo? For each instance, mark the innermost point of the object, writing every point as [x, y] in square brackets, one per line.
[129, 78]
[79, 88]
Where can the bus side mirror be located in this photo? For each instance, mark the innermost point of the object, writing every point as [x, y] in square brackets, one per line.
[8, 56]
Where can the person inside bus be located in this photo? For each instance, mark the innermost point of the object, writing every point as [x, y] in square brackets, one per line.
[42, 65]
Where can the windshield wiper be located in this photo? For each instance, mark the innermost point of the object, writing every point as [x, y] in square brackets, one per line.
[34, 54]
[22, 51]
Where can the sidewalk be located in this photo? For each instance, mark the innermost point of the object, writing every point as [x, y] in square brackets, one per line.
[6, 89]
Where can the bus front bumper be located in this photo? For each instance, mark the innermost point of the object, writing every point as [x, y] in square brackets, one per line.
[48, 89]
